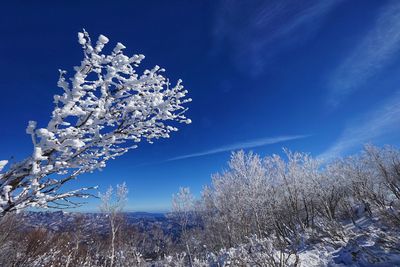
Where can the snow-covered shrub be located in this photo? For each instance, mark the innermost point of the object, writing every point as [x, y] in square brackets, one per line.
[262, 196]
[298, 199]
[237, 204]
[254, 252]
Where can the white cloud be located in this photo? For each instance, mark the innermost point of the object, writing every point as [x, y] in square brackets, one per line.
[381, 122]
[242, 145]
[375, 51]
[257, 32]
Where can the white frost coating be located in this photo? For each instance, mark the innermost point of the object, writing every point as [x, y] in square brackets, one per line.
[3, 163]
[103, 39]
[6, 189]
[37, 154]
[75, 143]
[81, 38]
[31, 127]
[105, 109]
[118, 48]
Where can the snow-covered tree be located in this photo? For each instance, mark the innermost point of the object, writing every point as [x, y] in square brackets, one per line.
[113, 205]
[183, 205]
[106, 109]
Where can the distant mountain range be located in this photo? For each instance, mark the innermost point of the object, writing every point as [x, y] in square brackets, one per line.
[93, 221]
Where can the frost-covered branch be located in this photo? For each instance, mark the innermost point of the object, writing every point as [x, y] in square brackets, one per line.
[106, 109]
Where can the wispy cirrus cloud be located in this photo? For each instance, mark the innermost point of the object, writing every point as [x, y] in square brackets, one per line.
[242, 145]
[255, 32]
[375, 51]
[381, 122]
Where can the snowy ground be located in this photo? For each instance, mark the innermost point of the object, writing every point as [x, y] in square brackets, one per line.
[368, 244]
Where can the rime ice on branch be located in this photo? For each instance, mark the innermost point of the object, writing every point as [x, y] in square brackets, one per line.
[106, 109]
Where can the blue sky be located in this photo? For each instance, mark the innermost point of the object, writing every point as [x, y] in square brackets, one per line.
[314, 76]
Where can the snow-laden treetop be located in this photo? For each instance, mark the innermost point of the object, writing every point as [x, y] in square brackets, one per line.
[106, 108]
